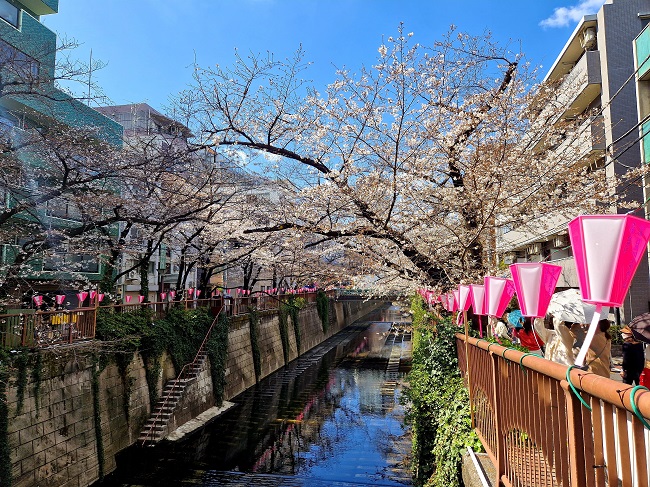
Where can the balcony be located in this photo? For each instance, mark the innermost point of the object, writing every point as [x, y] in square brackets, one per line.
[569, 275]
[587, 142]
[41, 7]
[582, 85]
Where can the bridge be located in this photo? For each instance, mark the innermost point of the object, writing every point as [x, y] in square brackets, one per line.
[544, 424]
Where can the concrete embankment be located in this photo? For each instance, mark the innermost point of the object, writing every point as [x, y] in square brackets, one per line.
[82, 411]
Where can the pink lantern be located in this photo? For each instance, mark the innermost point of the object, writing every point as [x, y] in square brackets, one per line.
[450, 302]
[60, 298]
[163, 296]
[172, 294]
[128, 299]
[190, 291]
[464, 301]
[238, 291]
[198, 293]
[92, 295]
[607, 250]
[100, 297]
[534, 283]
[82, 297]
[38, 300]
[140, 298]
[477, 294]
[498, 293]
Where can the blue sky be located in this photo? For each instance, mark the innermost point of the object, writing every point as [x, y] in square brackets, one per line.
[150, 45]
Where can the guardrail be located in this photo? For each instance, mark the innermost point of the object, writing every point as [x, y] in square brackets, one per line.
[43, 328]
[32, 328]
[544, 424]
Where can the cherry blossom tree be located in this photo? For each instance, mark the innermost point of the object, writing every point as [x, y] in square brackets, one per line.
[412, 164]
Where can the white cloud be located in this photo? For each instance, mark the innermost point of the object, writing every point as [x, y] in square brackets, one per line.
[564, 16]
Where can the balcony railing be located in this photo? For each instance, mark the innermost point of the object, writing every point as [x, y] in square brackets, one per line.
[539, 432]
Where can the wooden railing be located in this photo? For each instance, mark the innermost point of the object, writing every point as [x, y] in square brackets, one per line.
[43, 328]
[538, 432]
[31, 328]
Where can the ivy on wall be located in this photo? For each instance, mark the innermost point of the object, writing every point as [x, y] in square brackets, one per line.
[20, 361]
[283, 322]
[253, 328]
[323, 309]
[180, 333]
[438, 402]
[99, 440]
[5, 450]
[37, 379]
[217, 349]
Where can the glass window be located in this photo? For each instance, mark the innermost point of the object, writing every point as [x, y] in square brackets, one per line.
[9, 12]
[17, 61]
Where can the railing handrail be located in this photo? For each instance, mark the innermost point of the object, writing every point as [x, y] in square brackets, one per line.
[180, 376]
[545, 424]
[603, 388]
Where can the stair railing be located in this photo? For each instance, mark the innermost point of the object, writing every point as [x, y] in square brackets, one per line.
[180, 376]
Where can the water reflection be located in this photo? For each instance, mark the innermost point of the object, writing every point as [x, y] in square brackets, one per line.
[326, 417]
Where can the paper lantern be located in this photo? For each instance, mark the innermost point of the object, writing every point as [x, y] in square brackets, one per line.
[60, 298]
[82, 297]
[163, 296]
[38, 300]
[100, 297]
[172, 294]
[140, 299]
[464, 301]
[534, 283]
[452, 304]
[607, 250]
[498, 293]
[92, 295]
[190, 291]
[477, 295]
[198, 293]
[128, 299]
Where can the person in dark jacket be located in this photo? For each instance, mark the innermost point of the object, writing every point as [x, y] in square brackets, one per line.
[633, 357]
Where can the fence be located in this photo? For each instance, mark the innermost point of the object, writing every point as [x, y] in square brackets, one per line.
[537, 431]
[31, 328]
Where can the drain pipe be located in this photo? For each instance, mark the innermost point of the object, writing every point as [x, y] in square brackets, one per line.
[479, 469]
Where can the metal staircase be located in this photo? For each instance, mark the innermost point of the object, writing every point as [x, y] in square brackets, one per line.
[156, 427]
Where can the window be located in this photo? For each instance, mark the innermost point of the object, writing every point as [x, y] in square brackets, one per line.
[10, 13]
[17, 61]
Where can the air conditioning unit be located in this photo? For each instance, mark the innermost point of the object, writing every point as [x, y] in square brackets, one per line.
[132, 274]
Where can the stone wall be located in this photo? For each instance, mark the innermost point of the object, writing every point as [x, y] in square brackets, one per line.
[55, 444]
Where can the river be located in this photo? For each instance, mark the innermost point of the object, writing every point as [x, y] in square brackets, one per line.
[329, 418]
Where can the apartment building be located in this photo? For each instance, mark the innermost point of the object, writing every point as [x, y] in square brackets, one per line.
[30, 101]
[595, 70]
[148, 130]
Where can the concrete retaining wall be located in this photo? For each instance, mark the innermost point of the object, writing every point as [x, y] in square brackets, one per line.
[55, 444]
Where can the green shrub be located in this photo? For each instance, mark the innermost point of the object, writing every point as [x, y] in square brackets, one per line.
[217, 349]
[437, 402]
[283, 322]
[253, 329]
[323, 309]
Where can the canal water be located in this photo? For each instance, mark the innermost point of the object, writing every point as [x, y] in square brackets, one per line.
[330, 418]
